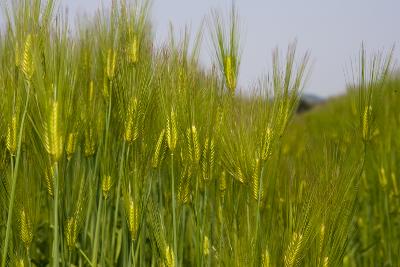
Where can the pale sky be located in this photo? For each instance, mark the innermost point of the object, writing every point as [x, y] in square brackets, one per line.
[332, 31]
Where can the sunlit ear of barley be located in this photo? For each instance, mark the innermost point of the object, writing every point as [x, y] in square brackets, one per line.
[208, 158]
[184, 186]
[131, 128]
[25, 225]
[53, 138]
[169, 257]
[106, 186]
[206, 246]
[239, 175]
[19, 262]
[27, 60]
[11, 139]
[292, 251]
[266, 150]
[257, 191]
[71, 144]
[71, 232]
[111, 61]
[265, 259]
[366, 123]
[193, 144]
[132, 214]
[326, 262]
[157, 152]
[133, 50]
[230, 73]
[89, 142]
[172, 131]
[48, 177]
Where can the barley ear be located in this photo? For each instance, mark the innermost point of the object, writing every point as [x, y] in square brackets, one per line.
[292, 252]
[25, 225]
[48, 176]
[157, 152]
[53, 138]
[230, 72]
[266, 149]
[133, 50]
[172, 131]
[169, 257]
[265, 259]
[366, 123]
[132, 216]
[27, 60]
[71, 144]
[11, 139]
[257, 191]
[206, 246]
[111, 62]
[106, 186]
[71, 232]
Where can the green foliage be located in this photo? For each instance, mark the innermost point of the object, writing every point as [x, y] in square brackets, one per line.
[117, 153]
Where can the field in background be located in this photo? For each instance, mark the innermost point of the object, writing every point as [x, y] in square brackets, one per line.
[116, 153]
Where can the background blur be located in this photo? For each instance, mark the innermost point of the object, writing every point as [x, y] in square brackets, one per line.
[332, 31]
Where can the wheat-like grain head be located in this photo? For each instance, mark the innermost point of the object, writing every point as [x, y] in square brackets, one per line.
[208, 158]
[111, 62]
[172, 131]
[266, 149]
[132, 216]
[133, 49]
[25, 226]
[326, 262]
[71, 232]
[53, 137]
[131, 128]
[169, 257]
[184, 185]
[106, 186]
[158, 150]
[27, 66]
[239, 175]
[230, 72]
[193, 144]
[292, 252]
[11, 138]
[258, 193]
[48, 177]
[366, 123]
[19, 262]
[89, 143]
[206, 246]
[265, 259]
[71, 144]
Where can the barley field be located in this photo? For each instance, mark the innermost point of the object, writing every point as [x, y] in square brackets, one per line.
[116, 152]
